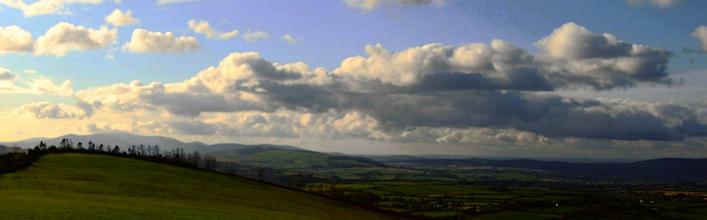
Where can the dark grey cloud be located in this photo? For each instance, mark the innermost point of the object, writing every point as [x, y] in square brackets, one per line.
[46, 110]
[193, 127]
[6, 75]
[548, 115]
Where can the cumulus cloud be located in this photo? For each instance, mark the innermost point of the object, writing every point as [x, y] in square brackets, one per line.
[43, 85]
[64, 38]
[43, 7]
[436, 92]
[700, 34]
[203, 27]
[46, 110]
[252, 36]
[573, 54]
[172, 2]
[40, 85]
[499, 65]
[144, 41]
[15, 39]
[118, 18]
[289, 39]
[655, 3]
[369, 5]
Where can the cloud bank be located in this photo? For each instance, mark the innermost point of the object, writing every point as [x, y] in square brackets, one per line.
[434, 92]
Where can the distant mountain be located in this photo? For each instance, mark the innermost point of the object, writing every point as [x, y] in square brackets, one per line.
[125, 140]
[263, 155]
[674, 168]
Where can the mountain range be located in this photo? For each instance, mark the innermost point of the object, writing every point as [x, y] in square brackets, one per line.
[295, 158]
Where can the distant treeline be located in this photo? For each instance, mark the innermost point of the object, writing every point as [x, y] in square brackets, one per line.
[13, 161]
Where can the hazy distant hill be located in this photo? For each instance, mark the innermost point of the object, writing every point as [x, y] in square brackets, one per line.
[125, 140]
[674, 168]
[294, 158]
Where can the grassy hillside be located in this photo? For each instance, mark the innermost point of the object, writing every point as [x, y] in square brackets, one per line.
[82, 186]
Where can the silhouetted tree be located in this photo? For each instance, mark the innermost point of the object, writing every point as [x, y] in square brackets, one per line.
[195, 158]
[210, 162]
[141, 150]
[156, 150]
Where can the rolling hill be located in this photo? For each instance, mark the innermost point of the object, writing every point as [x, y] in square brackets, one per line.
[291, 159]
[121, 139]
[262, 155]
[126, 139]
[84, 186]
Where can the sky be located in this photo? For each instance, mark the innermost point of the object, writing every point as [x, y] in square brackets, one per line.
[551, 79]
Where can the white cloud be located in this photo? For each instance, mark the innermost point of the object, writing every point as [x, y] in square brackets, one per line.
[15, 39]
[435, 93]
[369, 5]
[40, 85]
[203, 27]
[46, 110]
[144, 41]
[252, 36]
[700, 34]
[172, 2]
[118, 18]
[64, 38]
[43, 7]
[289, 39]
[655, 3]
[43, 85]
[30, 71]
[574, 54]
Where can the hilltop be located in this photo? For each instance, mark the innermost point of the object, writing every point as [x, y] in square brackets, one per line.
[125, 140]
[85, 186]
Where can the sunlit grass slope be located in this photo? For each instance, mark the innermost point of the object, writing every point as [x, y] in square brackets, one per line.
[82, 186]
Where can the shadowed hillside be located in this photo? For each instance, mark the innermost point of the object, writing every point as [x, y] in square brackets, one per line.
[83, 186]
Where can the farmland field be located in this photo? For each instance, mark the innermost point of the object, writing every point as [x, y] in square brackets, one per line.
[83, 186]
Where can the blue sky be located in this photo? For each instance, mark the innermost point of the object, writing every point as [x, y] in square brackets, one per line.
[329, 32]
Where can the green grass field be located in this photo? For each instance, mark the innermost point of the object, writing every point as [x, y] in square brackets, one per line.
[82, 186]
